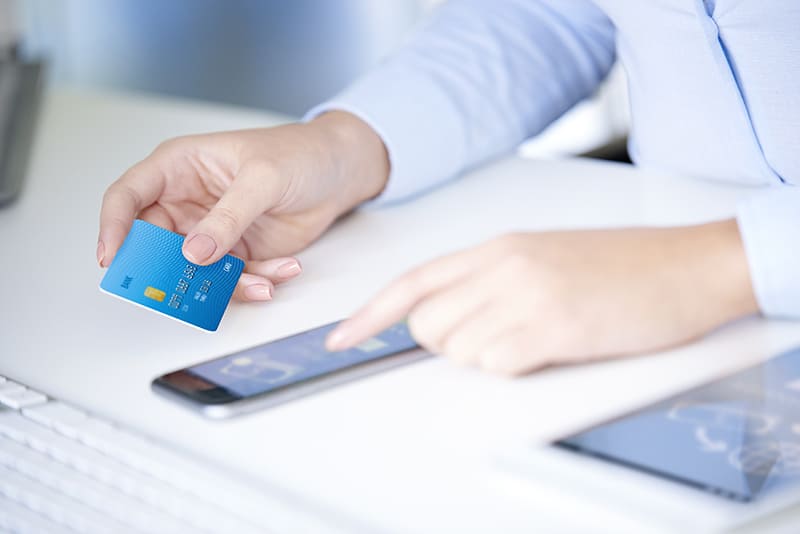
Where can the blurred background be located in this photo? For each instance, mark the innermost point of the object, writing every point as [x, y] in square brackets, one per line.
[279, 55]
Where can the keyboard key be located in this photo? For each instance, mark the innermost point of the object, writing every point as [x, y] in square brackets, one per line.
[10, 428]
[163, 497]
[64, 469]
[18, 518]
[101, 498]
[9, 386]
[58, 508]
[19, 399]
[149, 458]
[169, 469]
[61, 417]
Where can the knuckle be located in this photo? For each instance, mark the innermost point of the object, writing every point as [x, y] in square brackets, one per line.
[226, 219]
[512, 255]
[170, 144]
[424, 276]
[109, 193]
[132, 195]
[406, 283]
[121, 189]
[113, 189]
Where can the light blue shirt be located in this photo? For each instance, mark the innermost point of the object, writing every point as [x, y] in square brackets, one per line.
[714, 89]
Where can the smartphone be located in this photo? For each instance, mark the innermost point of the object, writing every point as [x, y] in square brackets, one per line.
[282, 370]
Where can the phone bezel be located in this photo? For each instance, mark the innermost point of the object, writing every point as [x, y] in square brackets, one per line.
[213, 394]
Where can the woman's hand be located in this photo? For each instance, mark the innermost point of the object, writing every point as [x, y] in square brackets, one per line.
[261, 194]
[525, 301]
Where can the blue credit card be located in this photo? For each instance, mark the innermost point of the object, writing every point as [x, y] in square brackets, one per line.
[150, 270]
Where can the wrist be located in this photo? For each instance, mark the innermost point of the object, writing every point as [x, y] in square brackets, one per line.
[722, 271]
[357, 159]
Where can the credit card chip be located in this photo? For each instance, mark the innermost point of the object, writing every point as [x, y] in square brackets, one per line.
[155, 294]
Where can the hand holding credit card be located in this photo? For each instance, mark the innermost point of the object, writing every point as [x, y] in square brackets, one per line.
[151, 271]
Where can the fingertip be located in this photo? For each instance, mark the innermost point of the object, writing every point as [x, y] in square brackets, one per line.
[338, 338]
[290, 269]
[101, 253]
[366, 322]
[258, 292]
[199, 249]
[277, 270]
[108, 244]
[253, 288]
[122, 202]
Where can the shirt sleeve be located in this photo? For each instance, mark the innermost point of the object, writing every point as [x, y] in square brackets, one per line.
[769, 224]
[477, 79]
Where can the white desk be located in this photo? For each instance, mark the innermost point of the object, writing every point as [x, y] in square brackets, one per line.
[409, 450]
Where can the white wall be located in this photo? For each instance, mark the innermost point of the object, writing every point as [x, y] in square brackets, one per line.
[285, 55]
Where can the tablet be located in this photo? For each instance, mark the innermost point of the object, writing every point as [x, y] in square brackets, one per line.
[732, 446]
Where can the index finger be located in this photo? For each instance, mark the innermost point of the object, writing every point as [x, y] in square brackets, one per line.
[401, 296]
[138, 188]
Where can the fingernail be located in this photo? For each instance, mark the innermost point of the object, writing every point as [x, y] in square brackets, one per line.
[258, 292]
[337, 340]
[290, 268]
[101, 253]
[199, 248]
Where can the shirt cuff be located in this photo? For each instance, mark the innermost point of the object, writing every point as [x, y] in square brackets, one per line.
[769, 224]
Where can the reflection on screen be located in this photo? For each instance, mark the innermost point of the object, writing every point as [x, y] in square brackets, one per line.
[297, 358]
[738, 437]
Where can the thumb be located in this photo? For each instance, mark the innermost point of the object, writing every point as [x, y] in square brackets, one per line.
[250, 194]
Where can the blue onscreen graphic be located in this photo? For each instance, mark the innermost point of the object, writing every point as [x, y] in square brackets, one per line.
[738, 437]
[297, 358]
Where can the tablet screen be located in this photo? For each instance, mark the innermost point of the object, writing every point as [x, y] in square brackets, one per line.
[738, 437]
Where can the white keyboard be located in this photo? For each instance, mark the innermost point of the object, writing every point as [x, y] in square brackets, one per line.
[64, 470]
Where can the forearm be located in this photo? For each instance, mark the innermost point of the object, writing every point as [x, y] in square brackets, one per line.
[476, 80]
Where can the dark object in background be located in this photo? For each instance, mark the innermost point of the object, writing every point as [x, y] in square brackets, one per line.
[616, 150]
[20, 91]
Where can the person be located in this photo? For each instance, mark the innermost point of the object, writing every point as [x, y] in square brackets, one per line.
[715, 93]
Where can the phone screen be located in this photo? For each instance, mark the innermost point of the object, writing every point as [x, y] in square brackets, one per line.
[738, 437]
[281, 363]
